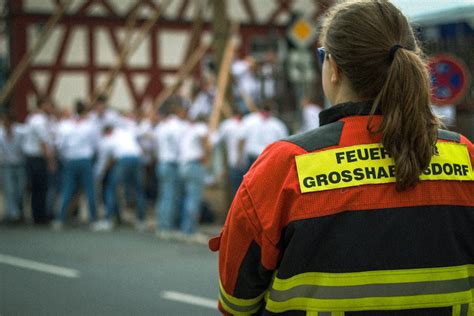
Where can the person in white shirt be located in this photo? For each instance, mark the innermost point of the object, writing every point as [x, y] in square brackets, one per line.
[119, 148]
[168, 135]
[77, 141]
[259, 130]
[310, 114]
[39, 158]
[103, 115]
[194, 152]
[247, 84]
[147, 121]
[228, 133]
[12, 168]
[202, 104]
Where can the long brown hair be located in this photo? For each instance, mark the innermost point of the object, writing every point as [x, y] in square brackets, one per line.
[362, 36]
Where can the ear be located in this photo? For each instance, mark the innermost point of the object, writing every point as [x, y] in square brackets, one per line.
[335, 72]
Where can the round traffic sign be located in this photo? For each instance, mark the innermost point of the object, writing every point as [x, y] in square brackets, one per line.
[449, 79]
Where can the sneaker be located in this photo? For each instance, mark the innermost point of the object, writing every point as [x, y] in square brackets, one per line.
[102, 226]
[196, 238]
[57, 225]
[164, 234]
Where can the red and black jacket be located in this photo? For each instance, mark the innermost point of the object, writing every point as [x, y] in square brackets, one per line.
[339, 252]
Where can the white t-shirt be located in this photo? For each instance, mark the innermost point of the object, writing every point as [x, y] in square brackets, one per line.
[109, 118]
[228, 132]
[77, 139]
[191, 145]
[10, 147]
[121, 143]
[202, 105]
[310, 117]
[168, 135]
[36, 134]
[259, 131]
[146, 140]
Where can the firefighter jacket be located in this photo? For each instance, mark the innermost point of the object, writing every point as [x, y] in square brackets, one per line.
[318, 228]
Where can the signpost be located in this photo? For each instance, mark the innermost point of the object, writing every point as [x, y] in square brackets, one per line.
[450, 79]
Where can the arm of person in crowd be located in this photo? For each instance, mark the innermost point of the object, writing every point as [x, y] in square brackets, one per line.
[245, 258]
[104, 158]
[241, 161]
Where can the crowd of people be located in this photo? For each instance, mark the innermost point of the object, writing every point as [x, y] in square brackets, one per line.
[137, 159]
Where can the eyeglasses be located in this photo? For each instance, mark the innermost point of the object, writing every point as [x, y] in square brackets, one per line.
[321, 55]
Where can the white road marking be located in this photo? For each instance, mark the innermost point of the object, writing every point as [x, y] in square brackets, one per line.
[38, 266]
[189, 299]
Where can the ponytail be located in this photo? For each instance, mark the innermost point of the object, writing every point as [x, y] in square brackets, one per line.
[374, 46]
[408, 128]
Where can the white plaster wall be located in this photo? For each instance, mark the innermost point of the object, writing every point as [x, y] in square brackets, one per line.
[69, 88]
[50, 49]
[76, 51]
[172, 47]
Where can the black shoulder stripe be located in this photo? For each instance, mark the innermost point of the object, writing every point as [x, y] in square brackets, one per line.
[322, 137]
[448, 135]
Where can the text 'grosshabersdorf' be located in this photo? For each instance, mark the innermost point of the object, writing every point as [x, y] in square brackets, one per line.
[372, 164]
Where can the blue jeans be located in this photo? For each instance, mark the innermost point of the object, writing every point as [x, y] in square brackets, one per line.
[236, 175]
[78, 172]
[126, 170]
[192, 177]
[167, 174]
[55, 186]
[13, 183]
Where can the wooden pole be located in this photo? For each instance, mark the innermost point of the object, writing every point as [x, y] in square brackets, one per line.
[197, 27]
[105, 88]
[130, 49]
[183, 73]
[20, 69]
[223, 78]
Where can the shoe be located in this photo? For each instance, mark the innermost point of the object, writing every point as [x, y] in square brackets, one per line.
[102, 226]
[57, 225]
[164, 234]
[196, 238]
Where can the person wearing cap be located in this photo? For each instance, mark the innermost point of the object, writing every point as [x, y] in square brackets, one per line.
[370, 214]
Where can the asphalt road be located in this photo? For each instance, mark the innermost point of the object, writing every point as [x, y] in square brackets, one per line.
[79, 272]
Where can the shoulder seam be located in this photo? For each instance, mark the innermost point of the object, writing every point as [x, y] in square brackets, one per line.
[319, 138]
[449, 135]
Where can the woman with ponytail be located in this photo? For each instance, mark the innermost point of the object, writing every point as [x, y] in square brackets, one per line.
[370, 214]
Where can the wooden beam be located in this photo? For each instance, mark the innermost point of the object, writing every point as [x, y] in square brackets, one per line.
[133, 45]
[30, 55]
[198, 23]
[106, 87]
[223, 78]
[183, 73]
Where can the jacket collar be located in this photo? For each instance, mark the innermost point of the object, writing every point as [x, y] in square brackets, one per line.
[343, 110]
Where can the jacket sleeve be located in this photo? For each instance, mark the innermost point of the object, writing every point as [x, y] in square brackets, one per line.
[246, 259]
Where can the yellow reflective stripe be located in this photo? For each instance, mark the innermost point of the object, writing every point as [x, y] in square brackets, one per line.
[239, 306]
[370, 303]
[462, 310]
[375, 277]
[456, 310]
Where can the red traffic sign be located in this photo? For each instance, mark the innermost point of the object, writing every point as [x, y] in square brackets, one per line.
[449, 79]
